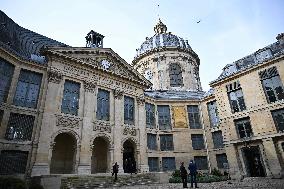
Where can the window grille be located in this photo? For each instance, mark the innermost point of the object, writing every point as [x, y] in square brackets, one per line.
[20, 127]
[213, 113]
[13, 162]
[71, 96]
[197, 141]
[244, 128]
[221, 160]
[272, 84]
[128, 110]
[28, 88]
[103, 105]
[153, 163]
[168, 163]
[193, 117]
[150, 115]
[278, 117]
[164, 117]
[152, 141]
[218, 139]
[6, 75]
[201, 162]
[166, 143]
[175, 75]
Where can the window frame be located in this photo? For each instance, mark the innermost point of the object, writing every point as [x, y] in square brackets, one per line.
[7, 76]
[150, 110]
[176, 79]
[71, 110]
[169, 142]
[216, 142]
[242, 122]
[194, 117]
[216, 114]
[127, 110]
[196, 144]
[276, 124]
[104, 103]
[166, 117]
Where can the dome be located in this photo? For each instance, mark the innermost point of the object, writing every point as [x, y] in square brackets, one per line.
[162, 39]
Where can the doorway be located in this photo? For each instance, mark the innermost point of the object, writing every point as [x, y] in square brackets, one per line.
[253, 161]
[129, 161]
[99, 156]
[63, 154]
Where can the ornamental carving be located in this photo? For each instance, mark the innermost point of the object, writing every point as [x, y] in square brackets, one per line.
[140, 100]
[117, 93]
[54, 76]
[102, 126]
[89, 86]
[68, 121]
[129, 131]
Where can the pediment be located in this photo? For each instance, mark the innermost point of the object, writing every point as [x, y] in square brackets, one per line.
[103, 59]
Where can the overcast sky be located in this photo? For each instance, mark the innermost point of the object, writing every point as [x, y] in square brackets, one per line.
[228, 29]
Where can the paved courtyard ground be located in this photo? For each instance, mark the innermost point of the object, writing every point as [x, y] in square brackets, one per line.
[248, 183]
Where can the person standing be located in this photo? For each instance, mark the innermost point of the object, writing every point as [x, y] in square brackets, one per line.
[183, 174]
[115, 171]
[193, 172]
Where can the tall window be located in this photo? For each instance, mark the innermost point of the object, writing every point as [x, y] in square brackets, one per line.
[244, 128]
[71, 96]
[28, 88]
[236, 97]
[218, 139]
[20, 127]
[168, 163]
[152, 141]
[153, 163]
[166, 143]
[1, 116]
[128, 110]
[164, 117]
[213, 113]
[278, 116]
[103, 105]
[175, 75]
[150, 115]
[13, 162]
[221, 160]
[272, 84]
[6, 75]
[197, 141]
[201, 162]
[193, 117]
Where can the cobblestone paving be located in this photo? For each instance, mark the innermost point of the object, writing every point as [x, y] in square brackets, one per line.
[249, 183]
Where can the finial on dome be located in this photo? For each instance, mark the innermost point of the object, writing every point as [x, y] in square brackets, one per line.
[160, 27]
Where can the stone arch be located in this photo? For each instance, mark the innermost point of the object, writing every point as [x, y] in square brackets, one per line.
[68, 131]
[64, 147]
[130, 154]
[101, 156]
[175, 75]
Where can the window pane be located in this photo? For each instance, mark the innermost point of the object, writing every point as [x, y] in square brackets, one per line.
[213, 113]
[128, 110]
[193, 116]
[244, 128]
[150, 115]
[237, 100]
[221, 160]
[197, 141]
[201, 162]
[166, 143]
[175, 74]
[168, 163]
[103, 105]
[28, 88]
[20, 127]
[13, 162]
[151, 141]
[6, 75]
[164, 117]
[278, 116]
[217, 139]
[70, 102]
[153, 163]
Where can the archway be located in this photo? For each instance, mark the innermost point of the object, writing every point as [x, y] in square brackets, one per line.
[63, 154]
[129, 160]
[100, 157]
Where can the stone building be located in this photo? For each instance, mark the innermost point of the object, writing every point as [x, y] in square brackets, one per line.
[78, 110]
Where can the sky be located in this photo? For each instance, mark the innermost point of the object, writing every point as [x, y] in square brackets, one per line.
[228, 29]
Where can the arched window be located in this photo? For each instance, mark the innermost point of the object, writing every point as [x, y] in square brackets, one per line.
[175, 75]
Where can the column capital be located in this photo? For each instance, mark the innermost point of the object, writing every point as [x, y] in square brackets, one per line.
[117, 93]
[141, 100]
[54, 76]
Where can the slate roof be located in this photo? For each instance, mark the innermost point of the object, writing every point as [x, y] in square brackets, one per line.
[175, 95]
[23, 42]
[262, 55]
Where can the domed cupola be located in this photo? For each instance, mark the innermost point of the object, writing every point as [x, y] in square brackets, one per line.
[168, 61]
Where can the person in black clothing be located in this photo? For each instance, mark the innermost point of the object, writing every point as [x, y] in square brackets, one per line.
[115, 171]
[183, 174]
[193, 172]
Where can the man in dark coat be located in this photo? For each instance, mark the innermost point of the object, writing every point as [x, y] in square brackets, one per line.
[193, 172]
[115, 171]
[183, 174]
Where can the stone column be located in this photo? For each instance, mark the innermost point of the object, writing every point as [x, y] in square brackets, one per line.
[269, 153]
[143, 166]
[233, 159]
[118, 122]
[52, 106]
[85, 151]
